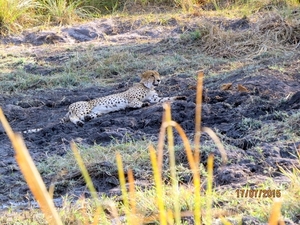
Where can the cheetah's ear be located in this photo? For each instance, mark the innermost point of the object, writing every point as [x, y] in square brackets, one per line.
[145, 74]
[148, 73]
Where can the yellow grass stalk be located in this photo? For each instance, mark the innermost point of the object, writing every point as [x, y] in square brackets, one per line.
[51, 190]
[198, 111]
[113, 213]
[194, 168]
[31, 174]
[170, 217]
[84, 171]
[210, 168]
[225, 221]
[158, 186]
[197, 197]
[193, 165]
[198, 116]
[97, 216]
[172, 163]
[195, 159]
[160, 144]
[83, 210]
[275, 213]
[88, 182]
[217, 141]
[135, 218]
[123, 187]
[185, 140]
[132, 192]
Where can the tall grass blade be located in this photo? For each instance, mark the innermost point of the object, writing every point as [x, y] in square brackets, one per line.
[185, 140]
[160, 144]
[113, 210]
[198, 116]
[51, 190]
[31, 174]
[172, 163]
[197, 210]
[12, 12]
[84, 171]
[225, 221]
[217, 141]
[275, 213]
[132, 191]
[88, 181]
[158, 186]
[194, 168]
[170, 217]
[132, 198]
[97, 216]
[210, 168]
[123, 187]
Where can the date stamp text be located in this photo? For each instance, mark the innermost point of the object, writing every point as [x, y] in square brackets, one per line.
[258, 193]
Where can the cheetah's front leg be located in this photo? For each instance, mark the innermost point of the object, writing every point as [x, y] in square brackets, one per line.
[154, 98]
[76, 120]
[91, 116]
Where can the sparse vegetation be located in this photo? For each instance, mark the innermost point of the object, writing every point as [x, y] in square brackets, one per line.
[225, 202]
[63, 12]
[15, 15]
[134, 156]
[236, 38]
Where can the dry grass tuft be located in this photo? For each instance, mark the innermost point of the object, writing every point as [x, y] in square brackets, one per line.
[271, 32]
[280, 30]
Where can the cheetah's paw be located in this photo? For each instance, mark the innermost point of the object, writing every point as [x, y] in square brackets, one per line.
[181, 98]
[145, 104]
[80, 123]
[87, 118]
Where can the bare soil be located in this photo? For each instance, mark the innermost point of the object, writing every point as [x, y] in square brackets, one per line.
[265, 98]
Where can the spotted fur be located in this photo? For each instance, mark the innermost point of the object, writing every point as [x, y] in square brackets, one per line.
[134, 97]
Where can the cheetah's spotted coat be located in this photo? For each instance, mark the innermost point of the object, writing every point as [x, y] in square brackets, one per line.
[134, 97]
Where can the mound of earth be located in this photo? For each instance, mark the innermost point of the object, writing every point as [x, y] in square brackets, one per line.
[119, 31]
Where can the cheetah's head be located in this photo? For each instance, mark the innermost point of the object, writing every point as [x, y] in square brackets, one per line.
[150, 78]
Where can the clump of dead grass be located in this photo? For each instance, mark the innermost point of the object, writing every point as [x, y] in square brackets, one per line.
[267, 32]
[280, 30]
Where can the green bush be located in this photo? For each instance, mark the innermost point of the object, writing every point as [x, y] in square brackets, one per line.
[64, 12]
[14, 14]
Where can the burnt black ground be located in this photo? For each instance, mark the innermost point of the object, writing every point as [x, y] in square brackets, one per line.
[223, 110]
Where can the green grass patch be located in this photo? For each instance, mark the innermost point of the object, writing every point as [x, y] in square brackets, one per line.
[89, 65]
[65, 12]
[135, 155]
[14, 14]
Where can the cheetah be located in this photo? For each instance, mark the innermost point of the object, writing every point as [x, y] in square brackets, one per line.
[134, 97]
